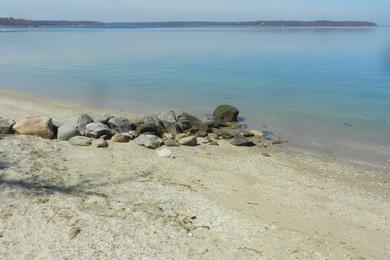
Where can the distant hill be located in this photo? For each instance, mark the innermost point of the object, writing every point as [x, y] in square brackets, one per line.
[59, 23]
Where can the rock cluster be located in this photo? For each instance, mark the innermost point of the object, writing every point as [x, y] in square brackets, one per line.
[153, 131]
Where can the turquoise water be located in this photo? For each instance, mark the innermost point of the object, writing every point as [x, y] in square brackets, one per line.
[324, 89]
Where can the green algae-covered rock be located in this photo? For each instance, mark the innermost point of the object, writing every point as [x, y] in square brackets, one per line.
[225, 113]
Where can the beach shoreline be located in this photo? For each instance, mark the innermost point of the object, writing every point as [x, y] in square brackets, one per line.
[209, 202]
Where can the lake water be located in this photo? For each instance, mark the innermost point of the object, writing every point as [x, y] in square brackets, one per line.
[323, 89]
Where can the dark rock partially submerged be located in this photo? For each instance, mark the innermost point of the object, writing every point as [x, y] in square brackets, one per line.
[225, 113]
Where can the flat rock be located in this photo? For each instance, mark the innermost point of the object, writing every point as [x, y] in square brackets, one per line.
[82, 121]
[121, 124]
[240, 140]
[66, 132]
[225, 113]
[188, 141]
[37, 126]
[80, 141]
[6, 126]
[96, 130]
[163, 152]
[121, 138]
[149, 141]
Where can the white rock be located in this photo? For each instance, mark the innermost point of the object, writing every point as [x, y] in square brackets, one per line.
[164, 152]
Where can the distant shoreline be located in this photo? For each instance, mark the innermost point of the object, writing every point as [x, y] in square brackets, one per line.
[12, 22]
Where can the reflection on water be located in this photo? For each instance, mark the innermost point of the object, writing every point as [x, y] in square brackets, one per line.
[306, 84]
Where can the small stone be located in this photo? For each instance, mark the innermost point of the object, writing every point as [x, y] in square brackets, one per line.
[121, 138]
[38, 126]
[149, 141]
[132, 134]
[120, 124]
[164, 152]
[66, 132]
[80, 141]
[180, 136]
[257, 134]
[171, 142]
[96, 130]
[188, 141]
[201, 134]
[212, 142]
[101, 143]
[212, 136]
[6, 126]
[240, 140]
[245, 133]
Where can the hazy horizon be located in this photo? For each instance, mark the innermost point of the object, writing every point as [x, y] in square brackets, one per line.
[200, 10]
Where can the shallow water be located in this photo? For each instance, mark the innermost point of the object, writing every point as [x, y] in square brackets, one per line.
[324, 89]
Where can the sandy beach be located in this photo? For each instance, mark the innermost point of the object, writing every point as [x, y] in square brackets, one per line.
[59, 201]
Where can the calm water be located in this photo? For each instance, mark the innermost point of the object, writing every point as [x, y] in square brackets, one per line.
[323, 89]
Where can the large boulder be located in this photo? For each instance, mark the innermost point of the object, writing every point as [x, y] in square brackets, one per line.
[6, 126]
[38, 126]
[82, 121]
[149, 141]
[150, 128]
[187, 122]
[96, 130]
[103, 118]
[225, 113]
[66, 132]
[121, 124]
[151, 119]
[80, 141]
[168, 119]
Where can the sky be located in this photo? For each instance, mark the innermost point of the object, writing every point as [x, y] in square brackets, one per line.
[186, 10]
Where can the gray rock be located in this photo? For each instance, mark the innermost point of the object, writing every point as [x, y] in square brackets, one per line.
[6, 126]
[37, 126]
[240, 140]
[149, 141]
[101, 143]
[225, 113]
[188, 141]
[150, 128]
[96, 130]
[121, 138]
[103, 118]
[66, 132]
[186, 121]
[168, 119]
[80, 141]
[171, 142]
[151, 119]
[120, 124]
[82, 121]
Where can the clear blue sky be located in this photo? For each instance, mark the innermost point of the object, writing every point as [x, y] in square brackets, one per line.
[162, 10]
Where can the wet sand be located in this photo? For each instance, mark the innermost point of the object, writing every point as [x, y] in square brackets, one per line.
[59, 201]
